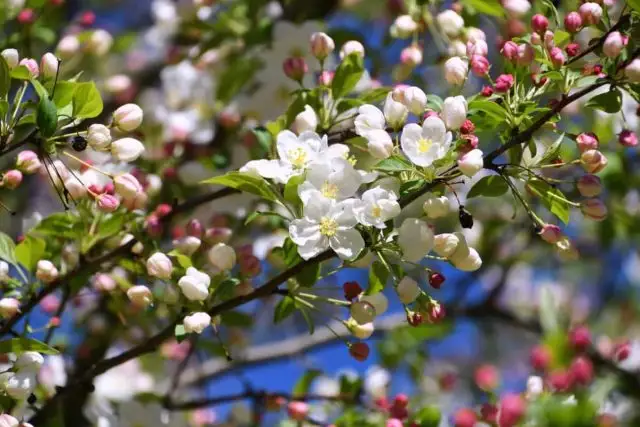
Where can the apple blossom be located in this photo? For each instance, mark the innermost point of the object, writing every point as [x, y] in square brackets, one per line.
[46, 271]
[471, 163]
[414, 99]
[456, 70]
[415, 239]
[99, 42]
[478, 47]
[436, 207]
[628, 138]
[196, 322]
[360, 331]
[126, 149]
[195, 284]
[68, 46]
[411, 56]
[159, 265]
[550, 233]
[49, 65]
[632, 71]
[425, 144]
[4, 272]
[593, 161]
[127, 186]
[222, 256]
[510, 50]
[573, 22]
[613, 44]
[28, 162]
[31, 65]
[454, 112]
[336, 180]
[11, 179]
[187, 245]
[445, 244]
[29, 360]
[9, 307]
[107, 203]
[128, 117]
[539, 23]
[594, 209]
[321, 45]
[379, 302]
[590, 13]
[589, 186]
[377, 207]
[11, 57]
[140, 295]
[352, 46]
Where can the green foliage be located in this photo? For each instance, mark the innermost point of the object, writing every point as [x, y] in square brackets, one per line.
[20, 345]
[609, 102]
[394, 164]
[5, 78]
[489, 7]
[378, 276]
[489, 186]
[47, 117]
[87, 102]
[285, 308]
[30, 251]
[246, 183]
[552, 198]
[303, 385]
[347, 75]
[7, 249]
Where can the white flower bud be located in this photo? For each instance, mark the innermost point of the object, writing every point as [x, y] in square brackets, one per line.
[76, 189]
[379, 302]
[188, 245]
[9, 307]
[516, 8]
[159, 265]
[140, 295]
[127, 186]
[46, 271]
[21, 385]
[99, 136]
[29, 360]
[436, 207]
[360, 331]
[408, 290]
[404, 26]
[632, 71]
[307, 120]
[49, 65]
[445, 244]
[99, 42]
[4, 272]
[379, 143]
[154, 184]
[414, 99]
[471, 262]
[471, 162]
[394, 112]
[68, 46]
[415, 239]
[456, 70]
[352, 46]
[362, 312]
[117, 83]
[454, 112]
[126, 149]
[222, 256]
[196, 322]
[11, 57]
[195, 285]
[450, 22]
[7, 420]
[128, 117]
[535, 387]
[321, 45]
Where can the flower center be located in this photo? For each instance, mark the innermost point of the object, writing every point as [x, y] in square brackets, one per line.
[424, 144]
[376, 211]
[328, 227]
[298, 157]
[329, 190]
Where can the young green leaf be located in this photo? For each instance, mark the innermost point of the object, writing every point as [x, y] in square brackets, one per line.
[284, 309]
[245, 182]
[87, 102]
[378, 275]
[47, 117]
[609, 102]
[394, 164]
[303, 385]
[19, 345]
[489, 186]
[7, 249]
[30, 251]
[5, 78]
[347, 75]
[552, 198]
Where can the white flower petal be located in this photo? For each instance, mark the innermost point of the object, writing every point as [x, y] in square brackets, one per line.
[347, 243]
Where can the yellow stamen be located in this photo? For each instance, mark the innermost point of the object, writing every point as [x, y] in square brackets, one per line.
[329, 190]
[424, 145]
[298, 157]
[328, 227]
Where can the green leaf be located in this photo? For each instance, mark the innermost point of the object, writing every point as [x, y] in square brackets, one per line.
[234, 78]
[30, 251]
[307, 319]
[257, 214]
[488, 7]
[551, 198]
[309, 275]
[180, 333]
[87, 102]
[556, 16]
[183, 260]
[47, 117]
[547, 310]
[376, 95]
[560, 37]
[284, 309]
[236, 318]
[264, 138]
[378, 276]
[21, 73]
[61, 224]
[291, 189]
[634, 4]
[489, 186]
[488, 108]
[434, 102]
[20, 345]
[609, 102]
[5, 78]
[7, 249]
[40, 90]
[304, 383]
[347, 75]
[63, 93]
[247, 183]
[394, 164]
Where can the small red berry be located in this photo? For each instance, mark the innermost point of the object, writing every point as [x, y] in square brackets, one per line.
[401, 400]
[87, 19]
[436, 280]
[351, 290]
[467, 127]
[359, 351]
[26, 16]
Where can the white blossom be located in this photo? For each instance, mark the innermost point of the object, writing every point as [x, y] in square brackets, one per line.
[307, 120]
[454, 112]
[196, 322]
[195, 284]
[450, 22]
[436, 207]
[424, 145]
[377, 207]
[415, 239]
[471, 163]
[336, 180]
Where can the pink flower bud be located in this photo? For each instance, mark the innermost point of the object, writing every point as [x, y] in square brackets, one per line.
[103, 283]
[9, 307]
[31, 65]
[560, 381]
[525, 54]
[510, 50]
[479, 65]
[512, 409]
[487, 377]
[49, 65]
[127, 186]
[594, 209]
[107, 203]
[455, 71]
[465, 417]
[26, 16]
[590, 13]
[297, 411]
[46, 271]
[539, 23]
[536, 39]
[573, 22]
[549, 40]
[589, 186]
[557, 57]
[325, 78]
[581, 370]
[140, 295]
[593, 161]
[613, 44]
[295, 68]
[411, 56]
[28, 162]
[504, 83]
[128, 117]
[487, 91]
[550, 233]
[321, 45]
[628, 138]
[11, 179]
[11, 57]
[68, 46]
[572, 49]
[587, 141]
[540, 358]
[477, 47]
